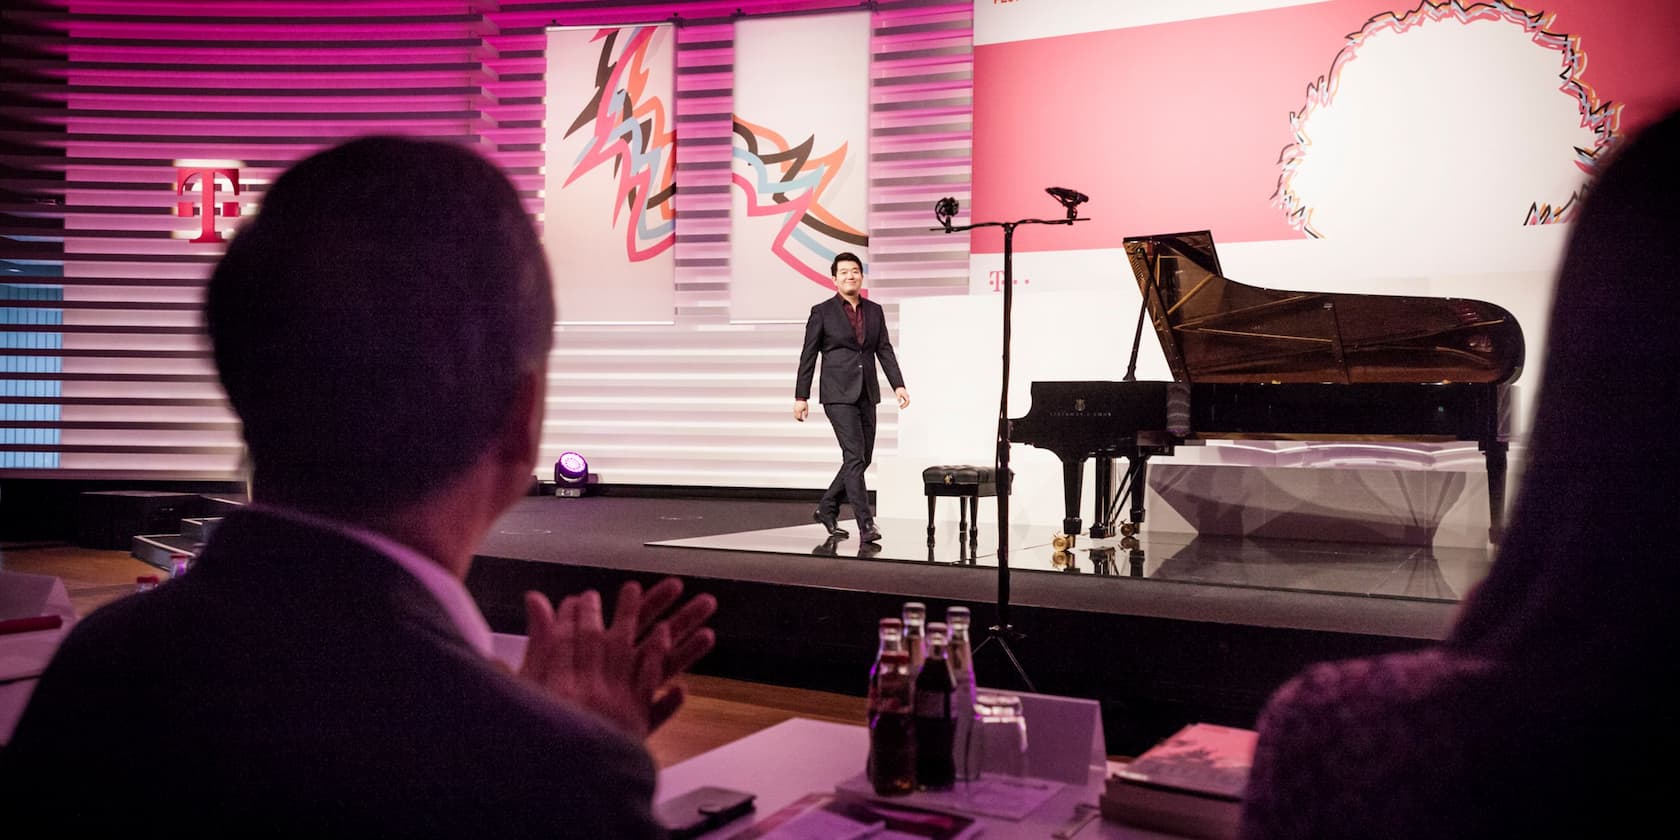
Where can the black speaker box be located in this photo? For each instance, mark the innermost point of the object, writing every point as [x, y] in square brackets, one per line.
[110, 519]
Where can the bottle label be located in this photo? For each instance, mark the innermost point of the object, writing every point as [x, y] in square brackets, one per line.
[890, 691]
[933, 704]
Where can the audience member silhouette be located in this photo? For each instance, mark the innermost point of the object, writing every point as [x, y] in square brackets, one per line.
[382, 329]
[1549, 709]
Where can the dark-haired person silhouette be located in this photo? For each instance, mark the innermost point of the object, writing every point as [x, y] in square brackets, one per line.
[382, 329]
[1549, 710]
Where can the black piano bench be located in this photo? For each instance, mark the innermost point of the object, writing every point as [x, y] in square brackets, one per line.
[968, 483]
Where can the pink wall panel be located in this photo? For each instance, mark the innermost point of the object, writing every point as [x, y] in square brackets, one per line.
[124, 89]
[1179, 126]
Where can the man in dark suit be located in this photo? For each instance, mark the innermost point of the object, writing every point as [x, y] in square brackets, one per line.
[382, 329]
[849, 332]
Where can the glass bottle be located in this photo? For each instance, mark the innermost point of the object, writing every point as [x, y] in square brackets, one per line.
[935, 727]
[892, 740]
[891, 631]
[915, 634]
[961, 654]
[998, 743]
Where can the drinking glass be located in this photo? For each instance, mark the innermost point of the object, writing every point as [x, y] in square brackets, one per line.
[997, 742]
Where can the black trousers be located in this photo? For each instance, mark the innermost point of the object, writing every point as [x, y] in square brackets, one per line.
[854, 428]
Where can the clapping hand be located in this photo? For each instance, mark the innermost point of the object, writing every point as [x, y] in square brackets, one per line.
[626, 672]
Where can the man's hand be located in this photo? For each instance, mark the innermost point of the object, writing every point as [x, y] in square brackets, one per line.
[625, 672]
[903, 397]
[801, 410]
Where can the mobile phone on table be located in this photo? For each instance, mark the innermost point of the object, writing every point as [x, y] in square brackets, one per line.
[700, 810]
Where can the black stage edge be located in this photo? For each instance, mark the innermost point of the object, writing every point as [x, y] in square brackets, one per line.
[45, 509]
[1157, 654]
[684, 491]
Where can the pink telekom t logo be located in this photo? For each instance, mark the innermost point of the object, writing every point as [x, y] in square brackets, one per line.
[207, 187]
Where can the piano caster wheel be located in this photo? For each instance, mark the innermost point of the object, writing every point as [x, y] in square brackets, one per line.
[1129, 543]
[1062, 542]
[1128, 529]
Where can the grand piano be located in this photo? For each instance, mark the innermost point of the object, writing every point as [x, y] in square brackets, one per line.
[1254, 363]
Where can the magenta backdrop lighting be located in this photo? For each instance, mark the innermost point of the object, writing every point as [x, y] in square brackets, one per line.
[137, 87]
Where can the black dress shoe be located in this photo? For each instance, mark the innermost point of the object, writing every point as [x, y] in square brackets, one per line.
[828, 520]
[869, 533]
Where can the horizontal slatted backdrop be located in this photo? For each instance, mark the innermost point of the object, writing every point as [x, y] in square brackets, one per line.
[116, 112]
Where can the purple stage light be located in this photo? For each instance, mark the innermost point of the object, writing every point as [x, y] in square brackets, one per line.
[571, 476]
[572, 468]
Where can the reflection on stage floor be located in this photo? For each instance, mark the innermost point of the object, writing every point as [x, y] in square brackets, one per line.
[1393, 571]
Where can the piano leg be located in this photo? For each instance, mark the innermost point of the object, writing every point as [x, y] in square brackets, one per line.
[1495, 453]
[1139, 482]
[1101, 527]
[1102, 561]
[1073, 479]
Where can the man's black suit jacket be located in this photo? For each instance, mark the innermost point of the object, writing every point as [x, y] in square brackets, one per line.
[298, 683]
[849, 374]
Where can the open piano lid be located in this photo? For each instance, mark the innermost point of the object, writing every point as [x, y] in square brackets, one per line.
[1214, 329]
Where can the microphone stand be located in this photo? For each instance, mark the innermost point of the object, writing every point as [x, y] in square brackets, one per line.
[1004, 631]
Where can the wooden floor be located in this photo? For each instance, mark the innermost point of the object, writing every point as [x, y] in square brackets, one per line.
[718, 710]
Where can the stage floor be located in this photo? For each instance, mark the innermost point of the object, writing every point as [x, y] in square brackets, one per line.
[1366, 569]
[1206, 633]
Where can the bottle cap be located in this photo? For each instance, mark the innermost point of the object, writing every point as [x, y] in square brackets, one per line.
[146, 579]
[894, 623]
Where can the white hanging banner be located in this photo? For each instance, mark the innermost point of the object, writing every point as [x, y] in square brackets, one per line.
[801, 160]
[609, 160]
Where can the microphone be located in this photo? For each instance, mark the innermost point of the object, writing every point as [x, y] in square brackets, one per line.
[1070, 199]
[945, 210]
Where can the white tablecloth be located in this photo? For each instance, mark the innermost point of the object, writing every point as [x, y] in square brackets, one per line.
[800, 756]
[24, 655]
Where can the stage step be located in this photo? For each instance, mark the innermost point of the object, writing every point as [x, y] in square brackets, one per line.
[200, 528]
[109, 518]
[160, 549]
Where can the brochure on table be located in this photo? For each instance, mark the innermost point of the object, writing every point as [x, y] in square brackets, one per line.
[999, 797]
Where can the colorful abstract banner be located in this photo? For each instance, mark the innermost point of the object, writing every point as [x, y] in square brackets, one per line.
[801, 160]
[609, 173]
